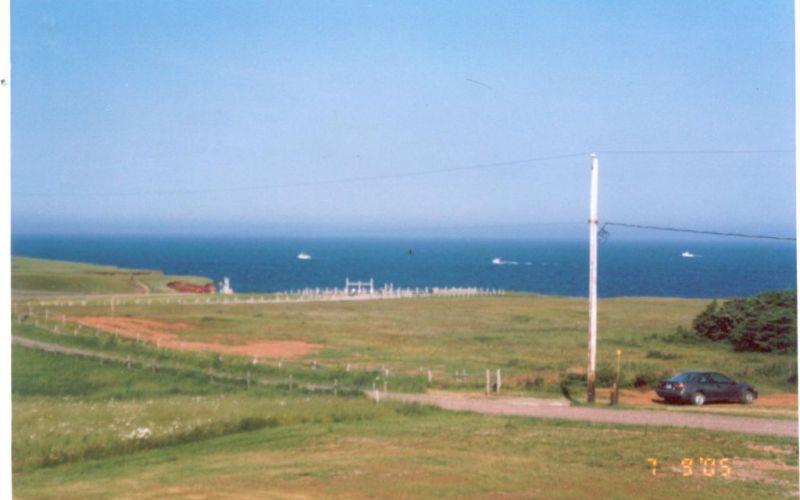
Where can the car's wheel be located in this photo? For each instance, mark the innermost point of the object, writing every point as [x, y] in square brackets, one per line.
[747, 397]
[698, 398]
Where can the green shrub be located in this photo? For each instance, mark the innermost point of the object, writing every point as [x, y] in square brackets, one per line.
[766, 322]
[648, 376]
[605, 374]
[535, 383]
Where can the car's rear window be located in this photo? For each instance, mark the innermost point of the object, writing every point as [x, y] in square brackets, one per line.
[684, 377]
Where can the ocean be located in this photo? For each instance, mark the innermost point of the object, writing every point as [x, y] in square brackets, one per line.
[719, 268]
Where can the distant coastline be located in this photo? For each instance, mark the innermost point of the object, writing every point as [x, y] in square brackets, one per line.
[558, 267]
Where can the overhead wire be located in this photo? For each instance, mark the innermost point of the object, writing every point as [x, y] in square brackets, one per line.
[694, 231]
[397, 175]
[324, 182]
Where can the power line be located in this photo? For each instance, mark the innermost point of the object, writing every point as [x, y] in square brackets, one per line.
[667, 152]
[345, 180]
[401, 175]
[483, 226]
[695, 231]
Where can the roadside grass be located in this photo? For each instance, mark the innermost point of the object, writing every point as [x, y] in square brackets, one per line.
[42, 275]
[437, 454]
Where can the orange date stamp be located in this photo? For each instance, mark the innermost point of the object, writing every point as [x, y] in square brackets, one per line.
[700, 466]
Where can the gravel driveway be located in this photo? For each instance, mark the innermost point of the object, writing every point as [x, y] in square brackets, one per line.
[561, 409]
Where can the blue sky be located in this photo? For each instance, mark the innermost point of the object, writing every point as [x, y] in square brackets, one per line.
[174, 117]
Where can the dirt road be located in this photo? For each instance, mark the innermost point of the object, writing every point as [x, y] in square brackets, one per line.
[560, 409]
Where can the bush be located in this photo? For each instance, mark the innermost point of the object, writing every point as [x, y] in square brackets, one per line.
[763, 323]
[535, 383]
[605, 374]
[649, 377]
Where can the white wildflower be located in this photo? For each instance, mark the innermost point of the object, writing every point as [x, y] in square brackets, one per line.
[140, 433]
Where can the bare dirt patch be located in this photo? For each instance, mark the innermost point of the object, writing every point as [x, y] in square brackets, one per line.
[781, 450]
[164, 334]
[759, 470]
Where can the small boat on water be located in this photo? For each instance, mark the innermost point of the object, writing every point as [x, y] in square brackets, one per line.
[303, 256]
[687, 254]
[500, 262]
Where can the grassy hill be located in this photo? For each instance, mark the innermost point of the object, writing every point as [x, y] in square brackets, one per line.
[53, 276]
[169, 425]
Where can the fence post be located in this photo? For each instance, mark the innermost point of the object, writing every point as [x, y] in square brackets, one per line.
[499, 381]
[488, 381]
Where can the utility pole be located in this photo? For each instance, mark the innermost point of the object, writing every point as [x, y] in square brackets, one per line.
[590, 375]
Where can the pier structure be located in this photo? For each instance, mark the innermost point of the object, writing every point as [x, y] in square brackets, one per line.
[359, 287]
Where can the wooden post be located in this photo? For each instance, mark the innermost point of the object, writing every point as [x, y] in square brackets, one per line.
[499, 381]
[488, 381]
[590, 372]
[430, 377]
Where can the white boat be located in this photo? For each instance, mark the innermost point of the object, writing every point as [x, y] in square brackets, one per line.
[687, 254]
[500, 262]
[303, 256]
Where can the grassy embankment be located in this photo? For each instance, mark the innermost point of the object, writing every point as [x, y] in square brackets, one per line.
[83, 429]
[29, 275]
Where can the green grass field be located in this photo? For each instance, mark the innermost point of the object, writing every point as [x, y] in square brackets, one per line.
[535, 340]
[87, 440]
[168, 426]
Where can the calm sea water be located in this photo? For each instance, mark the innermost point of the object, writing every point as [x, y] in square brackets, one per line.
[651, 268]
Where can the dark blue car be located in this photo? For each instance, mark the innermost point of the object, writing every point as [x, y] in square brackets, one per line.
[699, 387]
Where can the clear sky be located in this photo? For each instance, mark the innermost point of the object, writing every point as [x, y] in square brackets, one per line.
[217, 117]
